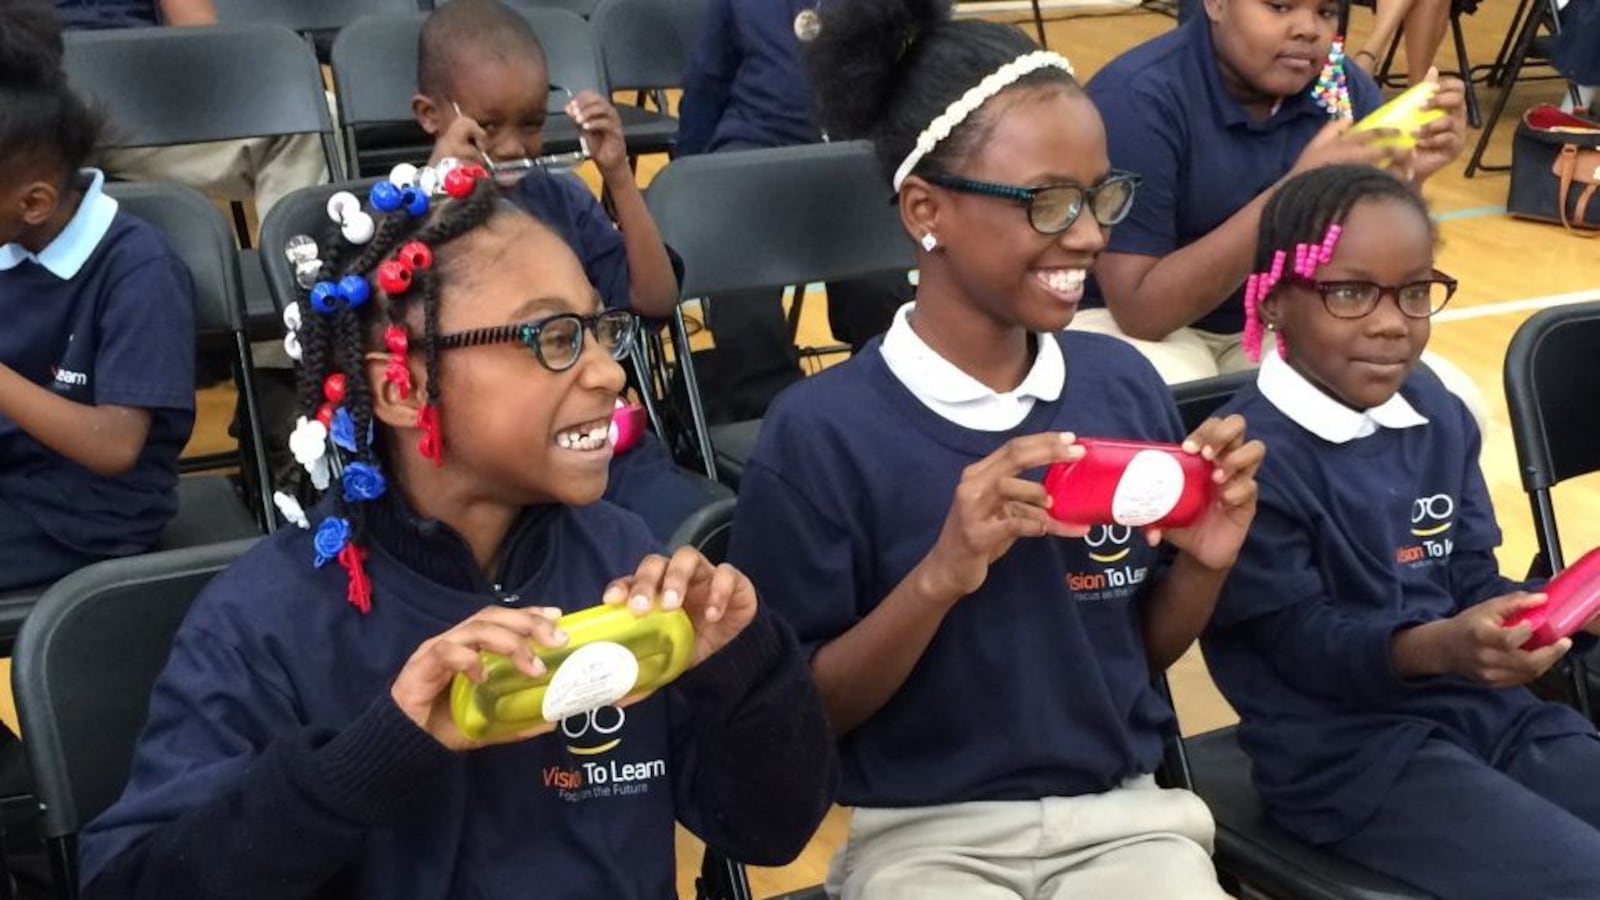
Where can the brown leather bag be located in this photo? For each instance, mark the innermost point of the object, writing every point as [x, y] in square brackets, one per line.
[1555, 170]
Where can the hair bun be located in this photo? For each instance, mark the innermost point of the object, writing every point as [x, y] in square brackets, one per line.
[856, 56]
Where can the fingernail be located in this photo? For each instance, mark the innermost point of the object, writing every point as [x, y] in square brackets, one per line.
[670, 599]
[551, 612]
[640, 602]
[538, 667]
[1068, 437]
[1190, 446]
[1219, 476]
[614, 594]
[558, 636]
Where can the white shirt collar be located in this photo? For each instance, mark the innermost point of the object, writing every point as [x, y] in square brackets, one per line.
[65, 255]
[1309, 407]
[957, 396]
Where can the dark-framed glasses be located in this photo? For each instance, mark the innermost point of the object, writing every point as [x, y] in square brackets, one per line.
[1357, 299]
[556, 341]
[1052, 208]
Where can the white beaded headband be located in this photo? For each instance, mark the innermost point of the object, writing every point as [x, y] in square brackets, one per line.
[968, 103]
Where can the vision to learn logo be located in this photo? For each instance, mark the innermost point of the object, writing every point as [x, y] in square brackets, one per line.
[596, 734]
[1431, 517]
[1108, 545]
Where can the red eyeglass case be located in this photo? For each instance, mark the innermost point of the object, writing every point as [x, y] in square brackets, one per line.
[1574, 599]
[628, 423]
[1132, 483]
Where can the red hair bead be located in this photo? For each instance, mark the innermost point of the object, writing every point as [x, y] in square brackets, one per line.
[415, 255]
[333, 388]
[458, 183]
[394, 277]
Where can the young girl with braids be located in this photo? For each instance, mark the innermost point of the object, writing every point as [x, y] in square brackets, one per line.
[988, 669]
[1361, 634]
[459, 378]
[97, 350]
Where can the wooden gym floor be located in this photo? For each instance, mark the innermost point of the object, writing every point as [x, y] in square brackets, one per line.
[1507, 270]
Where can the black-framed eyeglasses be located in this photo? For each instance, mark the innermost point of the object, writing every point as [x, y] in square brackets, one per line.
[1357, 299]
[1052, 208]
[556, 341]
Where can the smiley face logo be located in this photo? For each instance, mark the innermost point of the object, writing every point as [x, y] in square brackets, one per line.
[1109, 543]
[591, 733]
[1431, 515]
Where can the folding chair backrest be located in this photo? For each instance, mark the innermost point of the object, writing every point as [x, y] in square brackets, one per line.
[707, 529]
[646, 43]
[1552, 390]
[164, 86]
[1199, 400]
[778, 217]
[85, 663]
[584, 8]
[308, 15]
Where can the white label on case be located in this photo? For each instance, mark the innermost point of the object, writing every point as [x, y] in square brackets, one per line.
[593, 676]
[1149, 488]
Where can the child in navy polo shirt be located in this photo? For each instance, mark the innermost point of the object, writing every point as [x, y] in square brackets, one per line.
[300, 742]
[988, 669]
[482, 93]
[1214, 116]
[97, 353]
[1361, 634]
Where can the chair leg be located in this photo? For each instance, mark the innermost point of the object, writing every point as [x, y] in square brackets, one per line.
[64, 866]
[691, 386]
[1038, 24]
[1508, 83]
[1502, 57]
[1474, 114]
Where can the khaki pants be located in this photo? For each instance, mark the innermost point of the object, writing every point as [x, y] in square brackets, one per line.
[258, 169]
[1190, 354]
[1137, 841]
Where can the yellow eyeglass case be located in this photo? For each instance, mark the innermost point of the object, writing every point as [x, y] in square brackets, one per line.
[610, 654]
[1406, 114]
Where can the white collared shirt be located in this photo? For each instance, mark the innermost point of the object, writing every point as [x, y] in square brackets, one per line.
[1309, 407]
[957, 396]
[65, 256]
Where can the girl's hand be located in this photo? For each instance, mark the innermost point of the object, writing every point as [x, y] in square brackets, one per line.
[1475, 643]
[720, 600]
[1334, 145]
[422, 689]
[462, 139]
[601, 127]
[1439, 142]
[993, 507]
[1214, 539]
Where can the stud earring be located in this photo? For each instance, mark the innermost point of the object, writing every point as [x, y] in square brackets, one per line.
[929, 242]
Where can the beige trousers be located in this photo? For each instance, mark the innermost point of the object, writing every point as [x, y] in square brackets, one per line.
[259, 169]
[1137, 841]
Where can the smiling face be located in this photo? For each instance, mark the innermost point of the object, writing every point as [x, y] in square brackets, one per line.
[514, 431]
[1360, 362]
[997, 261]
[507, 96]
[1270, 49]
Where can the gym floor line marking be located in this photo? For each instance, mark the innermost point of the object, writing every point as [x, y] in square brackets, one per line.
[1506, 307]
[1471, 212]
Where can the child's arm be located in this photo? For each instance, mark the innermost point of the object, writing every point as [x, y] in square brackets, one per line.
[707, 83]
[1475, 643]
[654, 284]
[188, 12]
[861, 669]
[106, 440]
[1181, 605]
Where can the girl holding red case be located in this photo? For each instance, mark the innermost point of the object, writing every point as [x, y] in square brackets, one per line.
[1364, 634]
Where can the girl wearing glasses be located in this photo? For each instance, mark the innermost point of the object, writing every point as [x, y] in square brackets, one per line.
[300, 743]
[988, 670]
[1361, 635]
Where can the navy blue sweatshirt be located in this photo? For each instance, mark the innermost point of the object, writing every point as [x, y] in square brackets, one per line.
[1351, 543]
[1036, 685]
[275, 764]
[745, 85]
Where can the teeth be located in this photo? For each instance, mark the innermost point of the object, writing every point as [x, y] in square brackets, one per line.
[1062, 280]
[593, 438]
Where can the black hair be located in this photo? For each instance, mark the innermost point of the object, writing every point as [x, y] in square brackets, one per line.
[884, 69]
[1303, 208]
[336, 343]
[42, 122]
[480, 28]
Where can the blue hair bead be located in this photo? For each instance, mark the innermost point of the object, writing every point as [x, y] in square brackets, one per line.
[415, 201]
[385, 197]
[353, 290]
[323, 293]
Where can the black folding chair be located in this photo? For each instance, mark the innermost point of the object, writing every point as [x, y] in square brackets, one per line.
[1551, 384]
[1464, 67]
[315, 20]
[782, 217]
[167, 86]
[584, 8]
[210, 508]
[85, 664]
[645, 45]
[1529, 42]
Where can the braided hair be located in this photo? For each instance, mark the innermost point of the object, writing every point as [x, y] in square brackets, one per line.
[1302, 223]
[363, 294]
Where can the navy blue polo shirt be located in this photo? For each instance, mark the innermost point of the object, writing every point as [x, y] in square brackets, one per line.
[746, 85]
[104, 315]
[1169, 118]
[563, 202]
[100, 14]
[1036, 685]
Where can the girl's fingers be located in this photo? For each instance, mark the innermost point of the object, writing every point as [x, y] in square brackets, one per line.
[687, 566]
[646, 583]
